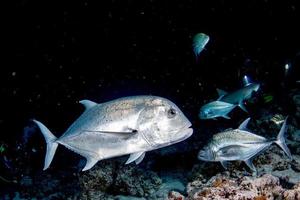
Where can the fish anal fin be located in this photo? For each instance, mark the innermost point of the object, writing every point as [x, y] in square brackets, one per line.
[90, 162]
[87, 103]
[249, 163]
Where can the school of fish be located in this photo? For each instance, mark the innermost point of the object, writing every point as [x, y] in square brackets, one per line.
[135, 125]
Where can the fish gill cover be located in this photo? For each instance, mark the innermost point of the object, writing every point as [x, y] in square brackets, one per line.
[57, 53]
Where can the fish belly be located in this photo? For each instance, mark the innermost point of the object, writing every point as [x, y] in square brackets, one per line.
[102, 146]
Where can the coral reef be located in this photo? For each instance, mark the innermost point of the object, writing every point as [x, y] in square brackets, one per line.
[223, 186]
[113, 177]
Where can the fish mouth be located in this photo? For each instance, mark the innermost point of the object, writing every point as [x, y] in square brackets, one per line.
[187, 131]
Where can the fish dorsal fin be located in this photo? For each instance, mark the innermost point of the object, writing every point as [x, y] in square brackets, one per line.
[244, 124]
[221, 93]
[224, 164]
[90, 162]
[134, 157]
[87, 103]
[249, 163]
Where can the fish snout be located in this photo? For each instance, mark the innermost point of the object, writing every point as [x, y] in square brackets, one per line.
[203, 114]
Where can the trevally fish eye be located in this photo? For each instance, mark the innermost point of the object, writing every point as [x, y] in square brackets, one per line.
[172, 113]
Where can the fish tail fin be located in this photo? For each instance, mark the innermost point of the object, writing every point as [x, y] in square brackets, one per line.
[51, 143]
[281, 141]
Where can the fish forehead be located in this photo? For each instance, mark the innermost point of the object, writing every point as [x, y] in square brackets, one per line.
[237, 135]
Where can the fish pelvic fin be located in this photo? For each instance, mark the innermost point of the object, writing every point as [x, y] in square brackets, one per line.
[137, 157]
[90, 162]
[281, 141]
[51, 143]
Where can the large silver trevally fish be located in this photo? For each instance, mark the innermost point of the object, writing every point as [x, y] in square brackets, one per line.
[240, 144]
[216, 109]
[239, 96]
[130, 125]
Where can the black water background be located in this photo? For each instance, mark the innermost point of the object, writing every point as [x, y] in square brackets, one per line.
[60, 52]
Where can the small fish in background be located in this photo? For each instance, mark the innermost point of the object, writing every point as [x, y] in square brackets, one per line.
[199, 42]
[239, 96]
[130, 125]
[287, 69]
[240, 144]
[216, 109]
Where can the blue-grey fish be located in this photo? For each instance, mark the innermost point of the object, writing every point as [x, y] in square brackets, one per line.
[199, 42]
[240, 144]
[239, 96]
[216, 109]
[129, 125]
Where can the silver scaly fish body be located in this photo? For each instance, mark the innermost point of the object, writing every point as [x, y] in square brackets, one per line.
[130, 125]
[239, 144]
[216, 109]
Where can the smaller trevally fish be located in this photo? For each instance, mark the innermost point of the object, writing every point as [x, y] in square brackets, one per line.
[216, 109]
[199, 42]
[239, 96]
[240, 144]
[130, 125]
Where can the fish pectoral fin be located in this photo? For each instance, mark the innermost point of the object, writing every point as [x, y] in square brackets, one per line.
[87, 104]
[90, 162]
[244, 124]
[224, 164]
[221, 93]
[135, 157]
[249, 163]
[125, 134]
[226, 116]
